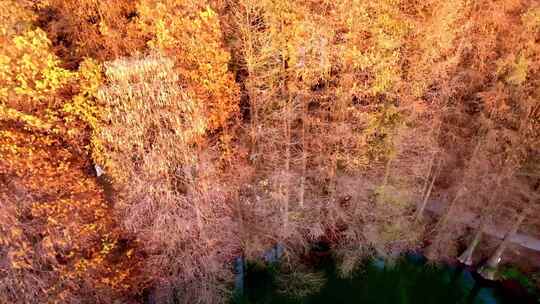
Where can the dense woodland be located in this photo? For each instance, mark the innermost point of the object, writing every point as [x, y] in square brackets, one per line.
[225, 127]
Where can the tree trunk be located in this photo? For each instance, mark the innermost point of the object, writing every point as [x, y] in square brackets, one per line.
[427, 193]
[287, 117]
[460, 190]
[338, 120]
[249, 56]
[430, 170]
[254, 128]
[489, 269]
[466, 256]
[304, 153]
[287, 126]
[304, 114]
[387, 171]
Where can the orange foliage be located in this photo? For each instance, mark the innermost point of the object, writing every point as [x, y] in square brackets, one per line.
[354, 107]
[67, 224]
[58, 232]
[103, 30]
[189, 32]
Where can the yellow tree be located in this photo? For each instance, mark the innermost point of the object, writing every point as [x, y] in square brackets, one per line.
[102, 30]
[190, 32]
[58, 233]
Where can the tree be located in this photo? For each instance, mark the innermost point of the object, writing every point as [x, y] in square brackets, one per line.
[101, 30]
[190, 33]
[169, 190]
[58, 234]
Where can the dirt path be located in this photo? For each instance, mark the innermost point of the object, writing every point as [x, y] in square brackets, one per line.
[523, 240]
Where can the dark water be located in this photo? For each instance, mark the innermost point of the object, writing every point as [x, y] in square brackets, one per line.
[409, 280]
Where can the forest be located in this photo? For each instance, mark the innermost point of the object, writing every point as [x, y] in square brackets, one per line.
[146, 144]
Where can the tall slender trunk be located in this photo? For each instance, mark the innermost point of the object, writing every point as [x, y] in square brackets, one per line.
[450, 208]
[387, 171]
[304, 152]
[339, 117]
[287, 169]
[466, 256]
[254, 123]
[250, 58]
[460, 190]
[432, 172]
[303, 108]
[429, 173]
[489, 269]
[286, 95]
[333, 178]
[197, 194]
[427, 192]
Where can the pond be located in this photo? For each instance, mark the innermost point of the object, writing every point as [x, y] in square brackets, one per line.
[409, 279]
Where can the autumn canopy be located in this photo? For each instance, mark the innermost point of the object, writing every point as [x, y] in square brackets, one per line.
[226, 127]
